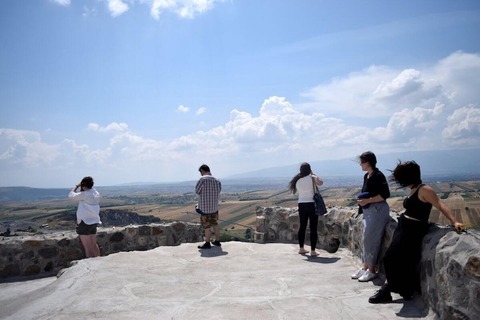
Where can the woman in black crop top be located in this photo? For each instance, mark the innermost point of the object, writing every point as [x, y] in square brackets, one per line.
[404, 252]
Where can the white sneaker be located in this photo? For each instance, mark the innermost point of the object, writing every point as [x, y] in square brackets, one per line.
[358, 274]
[367, 276]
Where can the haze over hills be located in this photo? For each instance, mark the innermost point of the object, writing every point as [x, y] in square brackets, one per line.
[436, 166]
[439, 162]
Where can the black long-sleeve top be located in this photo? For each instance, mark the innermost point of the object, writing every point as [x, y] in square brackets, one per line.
[375, 185]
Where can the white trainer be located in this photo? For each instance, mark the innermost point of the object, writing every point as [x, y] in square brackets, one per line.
[358, 274]
[367, 276]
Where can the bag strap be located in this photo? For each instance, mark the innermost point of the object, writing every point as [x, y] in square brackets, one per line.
[315, 188]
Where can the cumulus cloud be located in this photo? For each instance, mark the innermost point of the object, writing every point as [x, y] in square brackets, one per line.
[112, 127]
[381, 91]
[89, 12]
[413, 108]
[62, 2]
[463, 126]
[201, 110]
[183, 8]
[183, 109]
[117, 7]
[409, 125]
[26, 148]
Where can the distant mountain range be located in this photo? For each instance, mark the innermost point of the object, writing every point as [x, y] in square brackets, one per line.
[452, 165]
[443, 162]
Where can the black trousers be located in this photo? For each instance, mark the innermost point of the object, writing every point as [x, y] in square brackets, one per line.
[306, 212]
[403, 255]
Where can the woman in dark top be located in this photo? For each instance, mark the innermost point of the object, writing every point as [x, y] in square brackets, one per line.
[376, 214]
[404, 252]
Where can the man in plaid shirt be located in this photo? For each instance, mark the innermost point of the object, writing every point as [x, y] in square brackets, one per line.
[208, 190]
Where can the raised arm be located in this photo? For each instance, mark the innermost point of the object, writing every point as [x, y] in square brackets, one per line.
[317, 179]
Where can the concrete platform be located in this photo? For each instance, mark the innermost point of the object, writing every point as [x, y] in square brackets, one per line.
[236, 281]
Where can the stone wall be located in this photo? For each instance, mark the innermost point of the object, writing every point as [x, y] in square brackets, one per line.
[449, 269]
[46, 254]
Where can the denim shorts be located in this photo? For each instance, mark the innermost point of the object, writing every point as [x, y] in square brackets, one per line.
[86, 229]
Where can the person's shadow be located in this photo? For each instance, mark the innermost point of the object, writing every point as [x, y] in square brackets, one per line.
[318, 259]
[416, 308]
[212, 252]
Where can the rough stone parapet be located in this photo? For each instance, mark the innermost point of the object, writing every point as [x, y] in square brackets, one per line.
[46, 254]
[449, 269]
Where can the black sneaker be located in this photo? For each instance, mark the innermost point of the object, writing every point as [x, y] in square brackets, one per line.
[216, 243]
[381, 296]
[407, 296]
[206, 245]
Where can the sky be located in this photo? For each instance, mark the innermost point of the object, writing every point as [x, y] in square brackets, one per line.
[133, 91]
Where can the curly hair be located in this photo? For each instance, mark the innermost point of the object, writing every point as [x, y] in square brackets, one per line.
[407, 174]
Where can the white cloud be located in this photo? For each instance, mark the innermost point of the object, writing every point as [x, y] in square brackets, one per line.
[458, 74]
[183, 109]
[117, 7]
[114, 126]
[89, 12]
[183, 8]
[201, 110]
[409, 125]
[25, 148]
[463, 126]
[62, 2]
[411, 109]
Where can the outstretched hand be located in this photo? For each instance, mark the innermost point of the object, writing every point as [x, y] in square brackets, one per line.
[459, 227]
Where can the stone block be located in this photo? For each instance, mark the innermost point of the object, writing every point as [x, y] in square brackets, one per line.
[63, 243]
[472, 267]
[157, 231]
[10, 270]
[48, 253]
[33, 244]
[144, 231]
[117, 237]
[32, 270]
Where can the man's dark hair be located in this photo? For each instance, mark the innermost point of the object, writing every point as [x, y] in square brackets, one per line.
[204, 167]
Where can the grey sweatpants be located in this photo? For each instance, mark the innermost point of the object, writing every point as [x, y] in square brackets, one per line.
[375, 219]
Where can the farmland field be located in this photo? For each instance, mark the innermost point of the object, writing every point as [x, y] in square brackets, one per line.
[237, 210]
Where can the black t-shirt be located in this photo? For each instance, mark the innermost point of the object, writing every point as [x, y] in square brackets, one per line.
[376, 184]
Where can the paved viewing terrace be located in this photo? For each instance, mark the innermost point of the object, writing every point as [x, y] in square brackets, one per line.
[237, 281]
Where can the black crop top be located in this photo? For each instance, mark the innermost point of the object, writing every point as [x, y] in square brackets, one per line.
[416, 208]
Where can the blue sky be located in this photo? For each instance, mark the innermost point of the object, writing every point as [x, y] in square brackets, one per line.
[148, 90]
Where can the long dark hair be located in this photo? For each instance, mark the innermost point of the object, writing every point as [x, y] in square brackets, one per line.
[305, 170]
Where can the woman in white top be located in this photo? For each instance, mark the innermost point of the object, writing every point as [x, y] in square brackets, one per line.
[88, 215]
[303, 183]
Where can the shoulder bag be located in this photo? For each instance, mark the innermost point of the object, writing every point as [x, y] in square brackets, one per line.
[320, 207]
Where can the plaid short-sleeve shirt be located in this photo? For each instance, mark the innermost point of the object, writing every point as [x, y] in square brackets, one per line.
[208, 190]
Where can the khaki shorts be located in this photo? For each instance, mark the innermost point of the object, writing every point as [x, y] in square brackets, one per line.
[209, 220]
